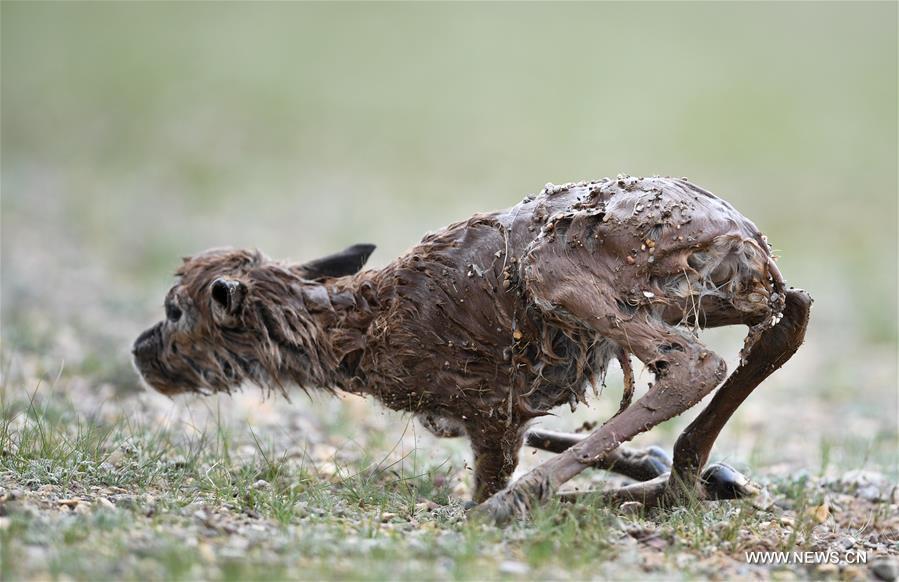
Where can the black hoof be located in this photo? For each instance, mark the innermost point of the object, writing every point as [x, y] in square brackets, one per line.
[722, 481]
[661, 458]
[647, 464]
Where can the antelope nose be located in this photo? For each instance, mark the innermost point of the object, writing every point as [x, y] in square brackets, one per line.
[146, 340]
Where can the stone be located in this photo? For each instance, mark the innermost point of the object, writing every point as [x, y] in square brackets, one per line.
[514, 568]
[887, 570]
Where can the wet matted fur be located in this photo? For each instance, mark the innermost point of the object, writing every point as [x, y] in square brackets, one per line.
[487, 323]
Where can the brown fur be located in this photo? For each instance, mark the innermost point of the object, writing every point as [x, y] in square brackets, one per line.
[473, 327]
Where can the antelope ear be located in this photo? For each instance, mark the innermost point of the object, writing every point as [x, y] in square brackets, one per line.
[347, 262]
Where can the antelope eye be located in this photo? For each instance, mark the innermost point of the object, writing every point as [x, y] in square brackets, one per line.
[172, 312]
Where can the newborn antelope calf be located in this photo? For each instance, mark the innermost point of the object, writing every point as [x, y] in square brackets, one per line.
[492, 322]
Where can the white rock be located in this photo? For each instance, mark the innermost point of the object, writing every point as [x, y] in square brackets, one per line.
[513, 567]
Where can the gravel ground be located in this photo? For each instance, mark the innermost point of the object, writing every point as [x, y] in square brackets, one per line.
[98, 485]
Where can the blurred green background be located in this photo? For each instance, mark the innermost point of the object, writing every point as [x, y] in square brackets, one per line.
[136, 133]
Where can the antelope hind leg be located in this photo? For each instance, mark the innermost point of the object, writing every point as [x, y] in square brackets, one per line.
[684, 375]
[772, 349]
[638, 464]
[719, 481]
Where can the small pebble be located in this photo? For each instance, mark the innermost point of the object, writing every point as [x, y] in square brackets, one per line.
[105, 503]
[514, 568]
[887, 570]
[631, 507]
